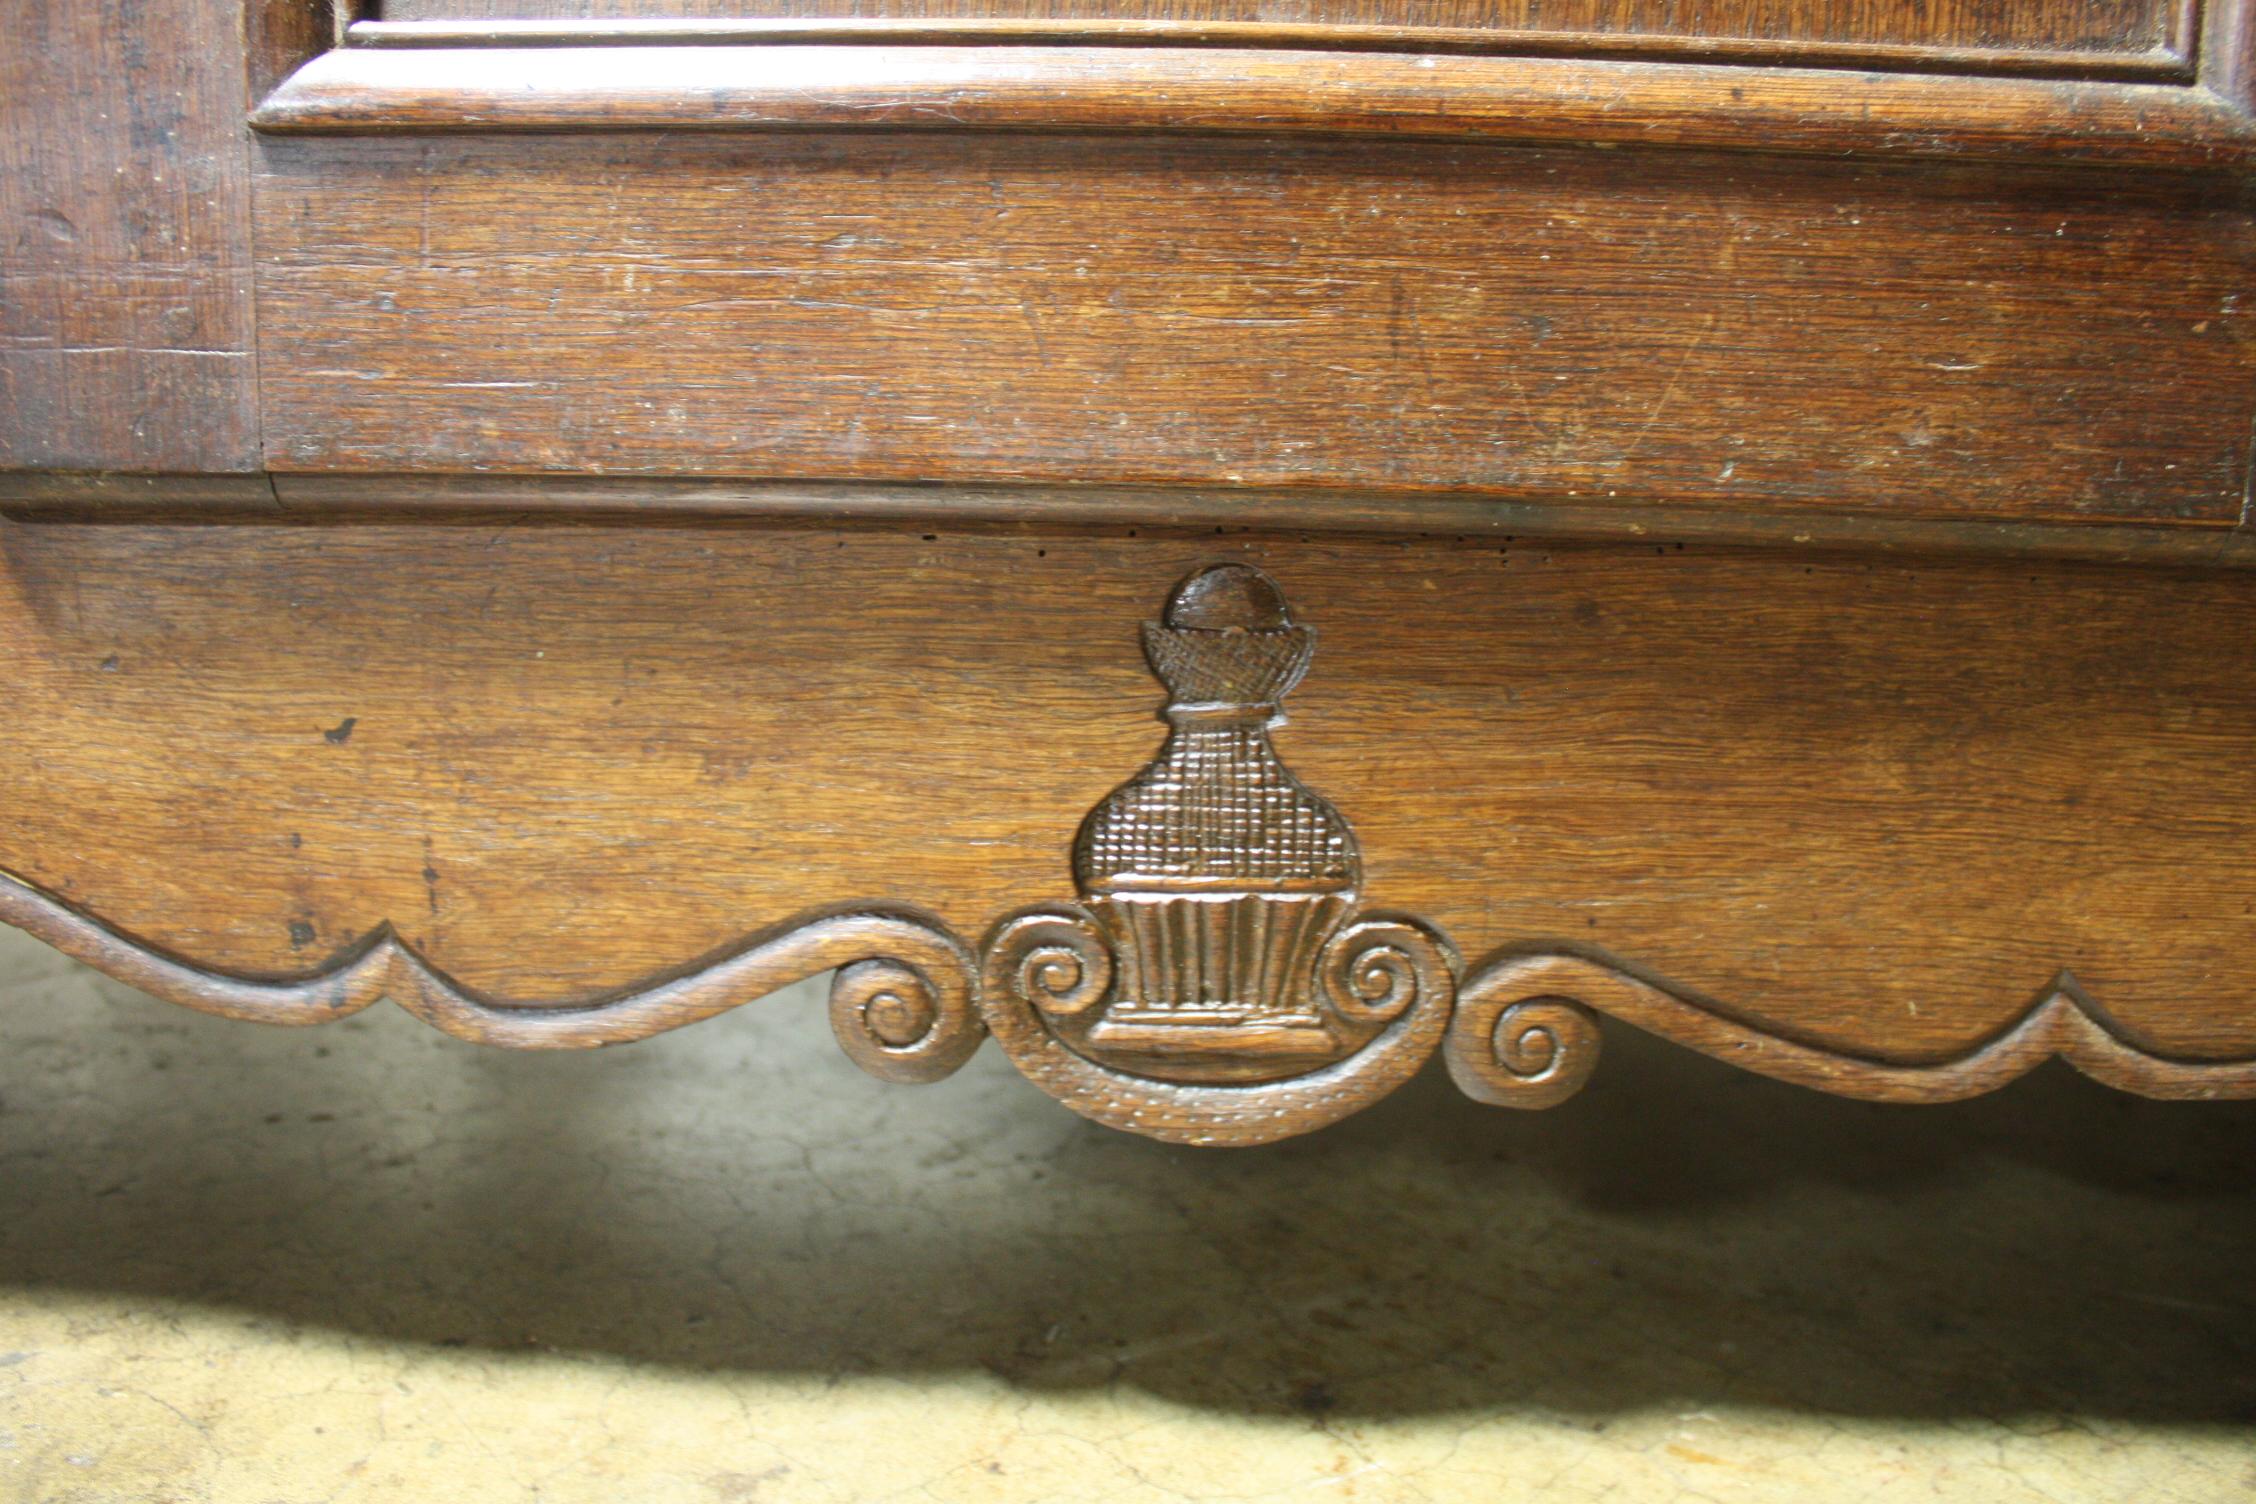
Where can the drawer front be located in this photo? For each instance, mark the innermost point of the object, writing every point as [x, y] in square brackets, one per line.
[1901, 339]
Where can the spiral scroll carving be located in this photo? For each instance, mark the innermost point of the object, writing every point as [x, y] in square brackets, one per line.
[894, 1022]
[1512, 1050]
[1371, 969]
[1063, 964]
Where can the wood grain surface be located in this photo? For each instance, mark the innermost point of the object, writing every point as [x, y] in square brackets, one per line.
[1579, 325]
[125, 298]
[1879, 805]
[2098, 26]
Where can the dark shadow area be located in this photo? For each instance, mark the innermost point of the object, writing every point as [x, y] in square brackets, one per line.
[735, 1198]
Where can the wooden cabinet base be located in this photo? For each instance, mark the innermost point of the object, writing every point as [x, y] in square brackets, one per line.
[1896, 830]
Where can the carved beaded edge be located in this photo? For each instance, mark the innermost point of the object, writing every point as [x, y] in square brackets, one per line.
[1218, 981]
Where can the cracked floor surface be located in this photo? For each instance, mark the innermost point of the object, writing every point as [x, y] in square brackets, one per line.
[365, 1262]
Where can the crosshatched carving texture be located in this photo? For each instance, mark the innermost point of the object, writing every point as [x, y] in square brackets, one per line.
[1218, 806]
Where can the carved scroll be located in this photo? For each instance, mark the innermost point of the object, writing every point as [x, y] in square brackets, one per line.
[900, 1000]
[1045, 972]
[1525, 1036]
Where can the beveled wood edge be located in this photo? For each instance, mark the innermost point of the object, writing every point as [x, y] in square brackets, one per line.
[2226, 64]
[1193, 90]
[281, 36]
[2172, 61]
[136, 492]
[909, 1004]
[1525, 1036]
[35, 496]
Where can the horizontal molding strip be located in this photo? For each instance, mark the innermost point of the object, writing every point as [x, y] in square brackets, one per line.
[1172, 89]
[2162, 64]
[33, 496]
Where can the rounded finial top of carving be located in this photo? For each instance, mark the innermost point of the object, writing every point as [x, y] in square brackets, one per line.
[1225, 596]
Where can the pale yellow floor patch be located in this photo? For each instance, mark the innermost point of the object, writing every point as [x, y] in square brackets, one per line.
[251, 1266]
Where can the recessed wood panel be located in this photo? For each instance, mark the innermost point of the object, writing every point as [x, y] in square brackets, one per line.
[1880, 804]
[1578, 325]
[2095, 27]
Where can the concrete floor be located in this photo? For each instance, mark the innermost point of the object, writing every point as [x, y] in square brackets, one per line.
[368, 1263]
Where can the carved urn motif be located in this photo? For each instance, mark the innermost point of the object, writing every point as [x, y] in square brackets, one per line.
[1217, 982]
[1217, 876]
